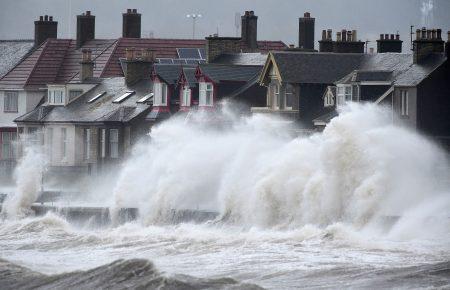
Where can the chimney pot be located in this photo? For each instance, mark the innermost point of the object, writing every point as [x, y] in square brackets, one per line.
[41, 18]
[344, 35]
[50, 18]
[418, 34]
[397, 36]
[439, 34]
[386, 36]
[428, 33]
[349, 36]
[306, 15]
[128, 11]
[291, 46]
[433, 34]
[329, 34]
[134, 10]
[46, 18]
[381, 36]
[338, 36]
[392, 37]
[324, 34]
[88, 13]
[424, 33]
[354, 35]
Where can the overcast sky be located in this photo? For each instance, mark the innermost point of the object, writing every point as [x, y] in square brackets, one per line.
[278, 19]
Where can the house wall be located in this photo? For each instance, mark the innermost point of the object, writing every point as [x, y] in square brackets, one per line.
[371, 93]
[27, 101]
[310, 102]
[433, 104]
[411, 119]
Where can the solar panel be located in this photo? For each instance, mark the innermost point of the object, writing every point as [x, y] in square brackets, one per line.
[182, 61]
[192, 61]
[165, 60]
[188, 53]
[123, 97]
[145, 98]
[96, 97]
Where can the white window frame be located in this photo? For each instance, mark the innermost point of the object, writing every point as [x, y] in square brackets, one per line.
[56, 97]
[289, 93]
[186, 97]
[344, 94]
[11, 102]
[160, 94]
[206, 94]
[64, 142]
[87, 143]
[404, 103]
[114, 143]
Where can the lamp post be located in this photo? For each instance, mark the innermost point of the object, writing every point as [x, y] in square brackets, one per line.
[194, 18]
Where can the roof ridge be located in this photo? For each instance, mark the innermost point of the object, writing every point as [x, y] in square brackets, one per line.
[116, 45]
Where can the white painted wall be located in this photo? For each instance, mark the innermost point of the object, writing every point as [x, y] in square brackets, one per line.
[27, 101]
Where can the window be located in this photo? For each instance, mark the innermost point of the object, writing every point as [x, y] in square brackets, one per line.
[7, 140]
[74, 93]
[64, 143]
[289, 96]
[87, 142]
[344, 95]
[123, 97]
[49, 142]
[11, 102]
[145, 98]
[186, 97]
[103, 143]
[114, 143]
[206, 94]
[160, 94]
[56, 97]
[404, 109]
[96, 97]
[277, 96]
[328, 99]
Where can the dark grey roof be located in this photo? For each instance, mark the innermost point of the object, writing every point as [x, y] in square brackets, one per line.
[11, 52]
[304, 67]
[241, 59]
[101, 110]
[244, 88]
[327, 115]
[219, 73]
[189, 72]
[168, 72]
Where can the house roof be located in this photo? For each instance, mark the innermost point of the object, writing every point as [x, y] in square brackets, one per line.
[189, 74]
[99, 111]
[219, 72]
[328, 68]
[241, 58]
[169, 73]
[11, 52]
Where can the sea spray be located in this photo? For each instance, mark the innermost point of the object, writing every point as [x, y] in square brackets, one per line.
[254, 173]
[28, 179]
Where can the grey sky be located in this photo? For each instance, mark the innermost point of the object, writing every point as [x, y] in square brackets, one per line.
[278, 20]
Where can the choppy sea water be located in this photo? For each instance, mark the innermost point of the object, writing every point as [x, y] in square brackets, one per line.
[49, 252]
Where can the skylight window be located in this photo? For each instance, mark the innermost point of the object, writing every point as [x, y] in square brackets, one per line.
[145, 98]
[123, 97]
[96, 97]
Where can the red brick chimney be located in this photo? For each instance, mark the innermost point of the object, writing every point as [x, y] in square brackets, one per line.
[85, 28]
[131, 25]
[45, 28]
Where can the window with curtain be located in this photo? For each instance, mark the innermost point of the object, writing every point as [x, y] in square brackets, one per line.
[206, 94]
[11, 102]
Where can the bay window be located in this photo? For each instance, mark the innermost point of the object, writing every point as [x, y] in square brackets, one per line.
[186, 97]
[114, 143]
[344, 94]
[404, 108]
[160, 94]
[7, 149]
[206, 94]
[11, 102]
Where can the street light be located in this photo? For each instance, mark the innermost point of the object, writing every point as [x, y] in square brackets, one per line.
[194, 18]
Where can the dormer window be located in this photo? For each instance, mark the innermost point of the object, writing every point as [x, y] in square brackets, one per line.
[160, 94]
[56, 97]
[344, 94]
[186, 97]
[206, 94]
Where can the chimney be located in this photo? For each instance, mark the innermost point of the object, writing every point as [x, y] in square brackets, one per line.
[447, 45]
[87, 65]
[306, 31]
[249, 29]
[338, 36]
[346, 42]
[354, 36]
[85, 28]
[137, 67]
[44, 28]
[326, 43]
[426, 45]
[389, 43]
[344, 35]
[131, 25]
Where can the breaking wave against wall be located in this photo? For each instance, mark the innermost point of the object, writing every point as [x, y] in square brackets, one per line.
[359, 171]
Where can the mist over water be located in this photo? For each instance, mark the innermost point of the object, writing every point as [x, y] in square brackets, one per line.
[363, 203]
